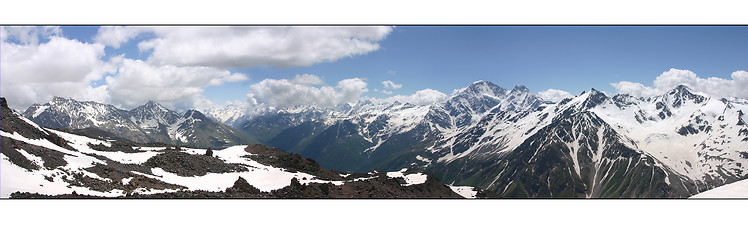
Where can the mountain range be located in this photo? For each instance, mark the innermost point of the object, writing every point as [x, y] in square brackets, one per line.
[150, 122]
[38, 162]
[512, 143]
[516, 144]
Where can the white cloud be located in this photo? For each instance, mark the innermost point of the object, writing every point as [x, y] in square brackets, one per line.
[554, 95]
[247, 47]
[635, 89]
[713, 86]
[285, 93]
[137, 82]
[422, 97]
[182, 62]
[34, 73]
[351, 89]
[392, 85]
[307, 79]
[27, 34]
[383, 91]
[115, 36]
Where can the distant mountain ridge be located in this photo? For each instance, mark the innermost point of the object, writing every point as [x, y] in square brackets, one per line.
[150, 122]
[369, 132]
[681, 142]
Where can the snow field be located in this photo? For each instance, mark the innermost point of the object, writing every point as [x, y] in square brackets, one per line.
[657, 136]
[81, 144]
[266, 181]
[737, 189]
[465, 191]
[14, 178]
[410, 179]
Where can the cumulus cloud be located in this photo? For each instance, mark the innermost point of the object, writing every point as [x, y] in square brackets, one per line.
[137, 82]
[307, 79]
[713, 86]
[115, 36]
[28, 35]
[635, 89]
[38, 63]
[247, 47]
[295, 92]
[422, 97]
[383, 91]
[34, 73]
[391, 85]
[554, 95]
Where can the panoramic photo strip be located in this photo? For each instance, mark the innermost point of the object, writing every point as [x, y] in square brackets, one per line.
[374, 112]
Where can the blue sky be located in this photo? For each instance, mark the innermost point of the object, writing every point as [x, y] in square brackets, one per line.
[443, 58]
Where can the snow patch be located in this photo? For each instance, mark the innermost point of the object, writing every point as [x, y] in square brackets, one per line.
[80, 140]
[16, 179]
[29, 122]
[267, 180]
[737, 189]
[39, 111]
[465, 191]
[410, 179]
[125, 181]
[151, 149]
[423, 159]
[31, 157]
[81, 144]
[38, 142]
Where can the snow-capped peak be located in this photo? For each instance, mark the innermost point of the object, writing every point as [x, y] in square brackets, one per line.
[583, 102]
[480, 88]
[594, 98]
[679, 95]
[153, 107]
[194, 114]
[520, 89]
[230, 114]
